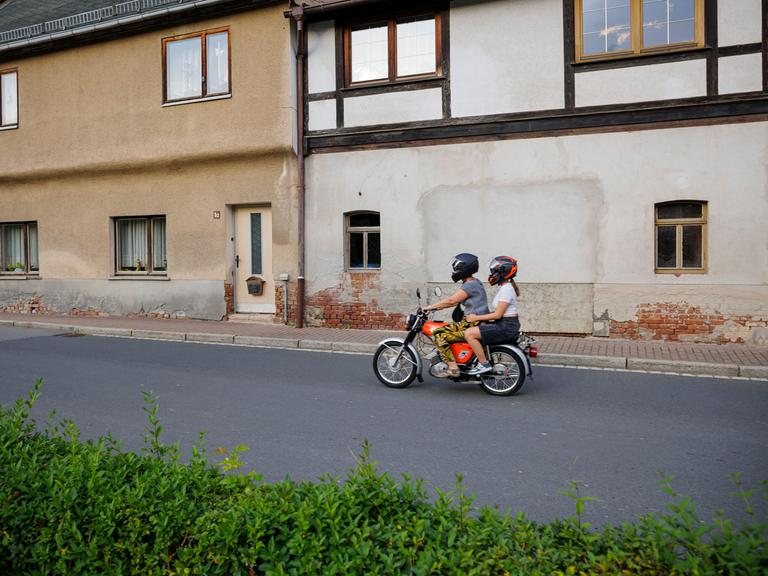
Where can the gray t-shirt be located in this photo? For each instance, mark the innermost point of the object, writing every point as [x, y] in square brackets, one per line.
[477, 303]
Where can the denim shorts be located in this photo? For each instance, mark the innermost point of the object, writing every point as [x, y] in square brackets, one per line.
[503, 330]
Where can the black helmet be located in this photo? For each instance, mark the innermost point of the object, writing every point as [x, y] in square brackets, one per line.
[464, 265]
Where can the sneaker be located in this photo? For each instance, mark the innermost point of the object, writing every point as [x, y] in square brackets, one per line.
[480, 369]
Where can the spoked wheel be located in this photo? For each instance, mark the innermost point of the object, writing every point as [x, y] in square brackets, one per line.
[393, 368]
[508, 374]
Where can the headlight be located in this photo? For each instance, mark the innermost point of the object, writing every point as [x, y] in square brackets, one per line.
[411, 321]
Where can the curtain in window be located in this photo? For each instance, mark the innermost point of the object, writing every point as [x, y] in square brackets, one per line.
[9, 104]
[13, 245]
[370, 53]
[184, 68]
[159, 258]
[416, 47]
[34, 265]
[217, 61]
[133, 244]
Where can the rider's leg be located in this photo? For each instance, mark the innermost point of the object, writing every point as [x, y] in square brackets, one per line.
[443, 340]
[472, 335]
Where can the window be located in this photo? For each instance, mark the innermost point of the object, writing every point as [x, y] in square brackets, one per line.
[681, 237]
[140, 245]
[363, 240]
[9, 100]
[18, 248]
[394, 49]
[196, 66]
[611, 28]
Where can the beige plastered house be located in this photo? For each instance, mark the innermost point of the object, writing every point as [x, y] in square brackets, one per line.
[146, 161]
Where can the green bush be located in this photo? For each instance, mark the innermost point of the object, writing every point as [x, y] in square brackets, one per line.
[73, 507]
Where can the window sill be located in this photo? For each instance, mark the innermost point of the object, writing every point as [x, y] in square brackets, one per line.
[679, 271]
[19, 276]
[140, 278]
[363, 270]
[195, 100]
[9, 127]
[585, 61]
[386, 83]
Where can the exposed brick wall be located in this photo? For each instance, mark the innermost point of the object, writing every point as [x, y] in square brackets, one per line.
[229, 297]
[682, 322]
[30, 305]
[291, 303]
[353, 304]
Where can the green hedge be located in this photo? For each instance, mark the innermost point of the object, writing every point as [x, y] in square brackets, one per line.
[73, 507]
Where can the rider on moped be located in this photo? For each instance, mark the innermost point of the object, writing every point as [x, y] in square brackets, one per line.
[472, 296]
[504, 324]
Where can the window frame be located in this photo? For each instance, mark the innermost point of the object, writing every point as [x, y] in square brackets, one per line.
[26, 270]
[678, 223]
[150, 271]
[636, 35]
[391, 22]
[15, 124]
[365, 230]
[203, 35]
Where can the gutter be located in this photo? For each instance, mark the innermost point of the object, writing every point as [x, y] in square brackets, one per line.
[297, 14]
[327, 6]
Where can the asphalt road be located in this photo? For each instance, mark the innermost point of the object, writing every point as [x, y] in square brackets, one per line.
[304, 414]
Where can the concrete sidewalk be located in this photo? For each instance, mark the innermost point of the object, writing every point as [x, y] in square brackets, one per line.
[732, 360]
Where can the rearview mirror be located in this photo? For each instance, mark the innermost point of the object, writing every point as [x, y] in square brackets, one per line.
[418, 293]
[438, 292]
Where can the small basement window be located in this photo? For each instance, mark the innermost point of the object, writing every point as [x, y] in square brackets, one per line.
[363, 240]
[681, 237]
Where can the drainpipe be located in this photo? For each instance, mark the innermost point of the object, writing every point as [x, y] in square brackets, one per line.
[297, 13]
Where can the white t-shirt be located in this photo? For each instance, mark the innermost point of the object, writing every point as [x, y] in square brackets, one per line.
[506, 294]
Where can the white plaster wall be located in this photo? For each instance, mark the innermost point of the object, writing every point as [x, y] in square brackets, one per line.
[642, 83]
[739, 22]
[408, 106]
[506, 56]
[576, 211]
[322, 115]
[740, 73]
[321, 57]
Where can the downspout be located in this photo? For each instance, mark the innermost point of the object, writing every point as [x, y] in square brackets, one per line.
[297, 13]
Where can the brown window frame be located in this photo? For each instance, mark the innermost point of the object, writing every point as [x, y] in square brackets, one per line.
[391, 23]
[3, 263]
[203, 65]
[365, 230]
[15, 124]
[678, 223]
[636, 31]
[149, 267]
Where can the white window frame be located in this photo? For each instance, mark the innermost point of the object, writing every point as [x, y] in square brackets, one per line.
[13, 125]
[365, 230]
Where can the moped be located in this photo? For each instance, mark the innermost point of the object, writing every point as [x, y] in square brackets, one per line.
[397, 362]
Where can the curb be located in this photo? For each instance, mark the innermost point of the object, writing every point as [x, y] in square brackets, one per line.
[567, 360]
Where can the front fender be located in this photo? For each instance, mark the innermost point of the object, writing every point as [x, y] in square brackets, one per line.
[519, 353]
[401, 341]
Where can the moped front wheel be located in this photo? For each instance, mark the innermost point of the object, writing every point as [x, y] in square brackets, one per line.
[395, 364]
[508, 374]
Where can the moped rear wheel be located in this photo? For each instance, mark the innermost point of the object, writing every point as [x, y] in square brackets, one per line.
[508, 374]
[392, 368]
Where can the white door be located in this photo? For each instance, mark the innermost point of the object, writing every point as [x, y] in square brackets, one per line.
[253, 260]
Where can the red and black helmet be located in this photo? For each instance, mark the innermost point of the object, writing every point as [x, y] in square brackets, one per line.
[502, 268]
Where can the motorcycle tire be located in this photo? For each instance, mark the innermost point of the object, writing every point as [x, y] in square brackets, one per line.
[510, 381]
[399, 375]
